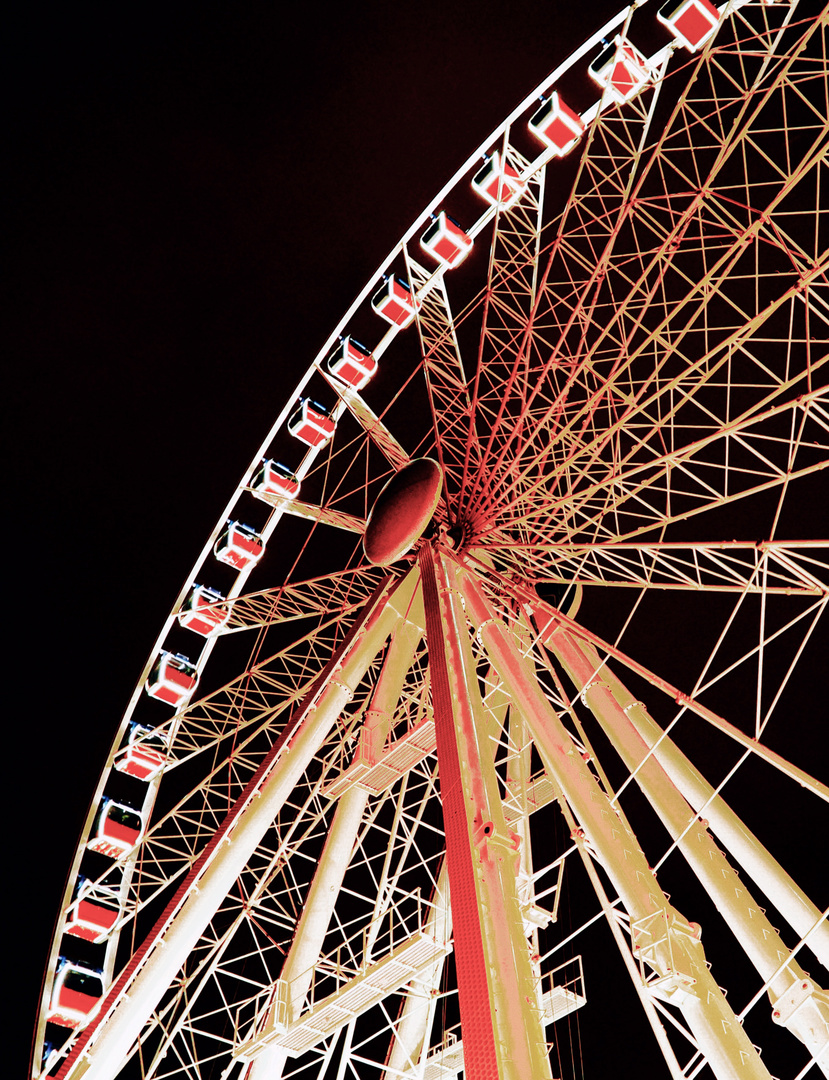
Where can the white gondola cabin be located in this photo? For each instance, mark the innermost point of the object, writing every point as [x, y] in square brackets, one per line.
[145, 754]
[239, 546]
[351, 363]
[692, 22]
[557, 125]
[202, 613]
[446, 241]
[498, 182]
[311, 423]
[173, 678]
[117, 829]
[93, 914]
[394, 301]
[76, 993]
[274, 478]
[621, 69]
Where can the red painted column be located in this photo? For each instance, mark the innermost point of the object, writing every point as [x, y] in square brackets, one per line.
[480, 1061]
[503, 1035]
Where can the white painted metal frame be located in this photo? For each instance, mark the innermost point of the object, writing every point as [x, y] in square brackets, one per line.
[649, 358]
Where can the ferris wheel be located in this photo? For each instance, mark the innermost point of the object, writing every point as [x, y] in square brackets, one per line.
[505, 623]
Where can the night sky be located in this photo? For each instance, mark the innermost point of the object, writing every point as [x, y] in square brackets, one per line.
[198, 192]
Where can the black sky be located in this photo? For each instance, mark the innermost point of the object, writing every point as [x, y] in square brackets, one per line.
[197, 193]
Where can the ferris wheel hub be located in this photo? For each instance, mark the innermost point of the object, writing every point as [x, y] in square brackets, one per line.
[402, 511]
[459, 535]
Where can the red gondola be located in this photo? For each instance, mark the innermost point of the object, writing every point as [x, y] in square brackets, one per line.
[145, 755]
[621, 69]
[557, 125]
[311, 423]
[76, 992]
[446, 241]
[692, 22]
[94, 913]
[351, 363]
[498, 183]
[274, 478]
[200, 612]
[394, 301]
[172, 679]
[117, 829]
[239, 546]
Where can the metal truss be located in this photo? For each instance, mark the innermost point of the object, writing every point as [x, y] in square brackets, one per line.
[382, 832]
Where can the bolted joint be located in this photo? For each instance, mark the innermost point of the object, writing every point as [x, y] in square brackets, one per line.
[800, 993]
[594, 685]
[493, 844]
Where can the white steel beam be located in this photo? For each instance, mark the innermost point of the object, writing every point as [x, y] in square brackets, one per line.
[415, 1022]
[748, 922]
[786, 895]
[298, 969]
[106, 1043]
[666, 940]
[548, 618]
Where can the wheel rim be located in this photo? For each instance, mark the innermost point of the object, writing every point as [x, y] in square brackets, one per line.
[503, 501]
